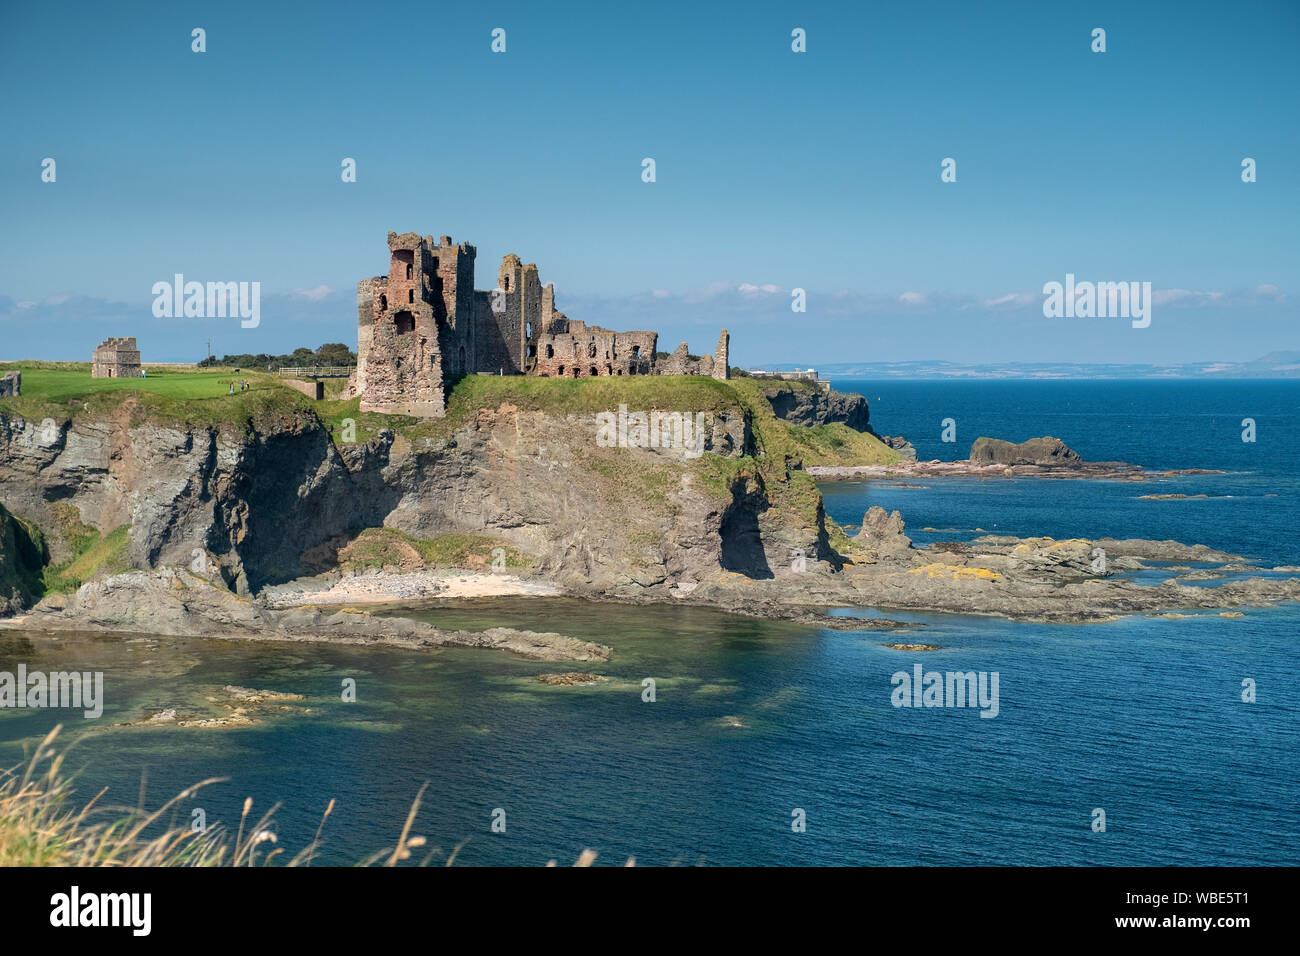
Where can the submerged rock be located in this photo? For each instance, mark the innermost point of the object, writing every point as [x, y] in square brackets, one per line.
[572, 679]
[251, 696]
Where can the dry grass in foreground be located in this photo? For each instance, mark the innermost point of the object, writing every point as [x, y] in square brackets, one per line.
[39, 826]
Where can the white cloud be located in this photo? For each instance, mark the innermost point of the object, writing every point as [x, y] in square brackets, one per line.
[1184, 297]
[912, 298]
[315, 295]
[1015, 299]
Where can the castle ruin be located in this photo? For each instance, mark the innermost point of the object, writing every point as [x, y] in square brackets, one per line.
[116, 358]
[424, 325]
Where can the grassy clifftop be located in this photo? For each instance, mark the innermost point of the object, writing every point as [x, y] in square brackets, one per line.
[833, 444]
[65, 390]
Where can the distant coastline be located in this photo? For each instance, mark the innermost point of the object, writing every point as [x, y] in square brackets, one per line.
[1275, 365]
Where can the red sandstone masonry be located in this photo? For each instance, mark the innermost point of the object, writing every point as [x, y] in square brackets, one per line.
[424, 325]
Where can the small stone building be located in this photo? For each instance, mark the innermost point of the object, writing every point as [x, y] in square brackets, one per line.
[11, 383]
[116, 358]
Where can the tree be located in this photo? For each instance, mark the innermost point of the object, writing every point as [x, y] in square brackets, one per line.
[335, 353]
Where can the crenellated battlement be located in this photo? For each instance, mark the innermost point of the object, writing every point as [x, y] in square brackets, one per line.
[116, 357]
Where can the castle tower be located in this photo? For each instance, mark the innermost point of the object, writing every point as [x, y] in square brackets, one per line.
[721, 368]
[520, 291]
[414, 329]
[423, 325]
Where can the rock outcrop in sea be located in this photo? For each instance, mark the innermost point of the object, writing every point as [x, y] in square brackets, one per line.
[1047, 451]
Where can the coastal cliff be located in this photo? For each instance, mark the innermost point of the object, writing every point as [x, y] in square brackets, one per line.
[527, 486]
[272, 487]
[800, 405]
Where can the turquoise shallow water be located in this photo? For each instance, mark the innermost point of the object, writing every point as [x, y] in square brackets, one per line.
[1140, 717]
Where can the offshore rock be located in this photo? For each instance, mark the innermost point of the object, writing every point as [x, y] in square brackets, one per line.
[1036, 451]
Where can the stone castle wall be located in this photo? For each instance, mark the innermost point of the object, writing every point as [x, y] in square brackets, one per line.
[424, 325]
[582, 351]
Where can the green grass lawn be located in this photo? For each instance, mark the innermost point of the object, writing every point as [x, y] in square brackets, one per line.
[202, 397]
[60, 385]
[65, 390]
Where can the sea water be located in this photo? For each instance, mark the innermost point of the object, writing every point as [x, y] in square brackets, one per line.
[757, 725]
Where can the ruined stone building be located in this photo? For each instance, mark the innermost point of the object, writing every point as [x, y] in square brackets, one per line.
[116, 358]
[11, 384]
[424, 325]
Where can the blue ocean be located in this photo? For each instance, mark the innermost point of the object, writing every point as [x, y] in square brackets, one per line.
[759, 725]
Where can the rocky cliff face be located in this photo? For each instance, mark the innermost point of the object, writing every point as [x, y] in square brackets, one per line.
[22, 555]
[245, 500]
[808, 405]
[249, 501]
[812, 406]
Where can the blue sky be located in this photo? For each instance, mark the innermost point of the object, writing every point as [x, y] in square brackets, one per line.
[775, 170]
